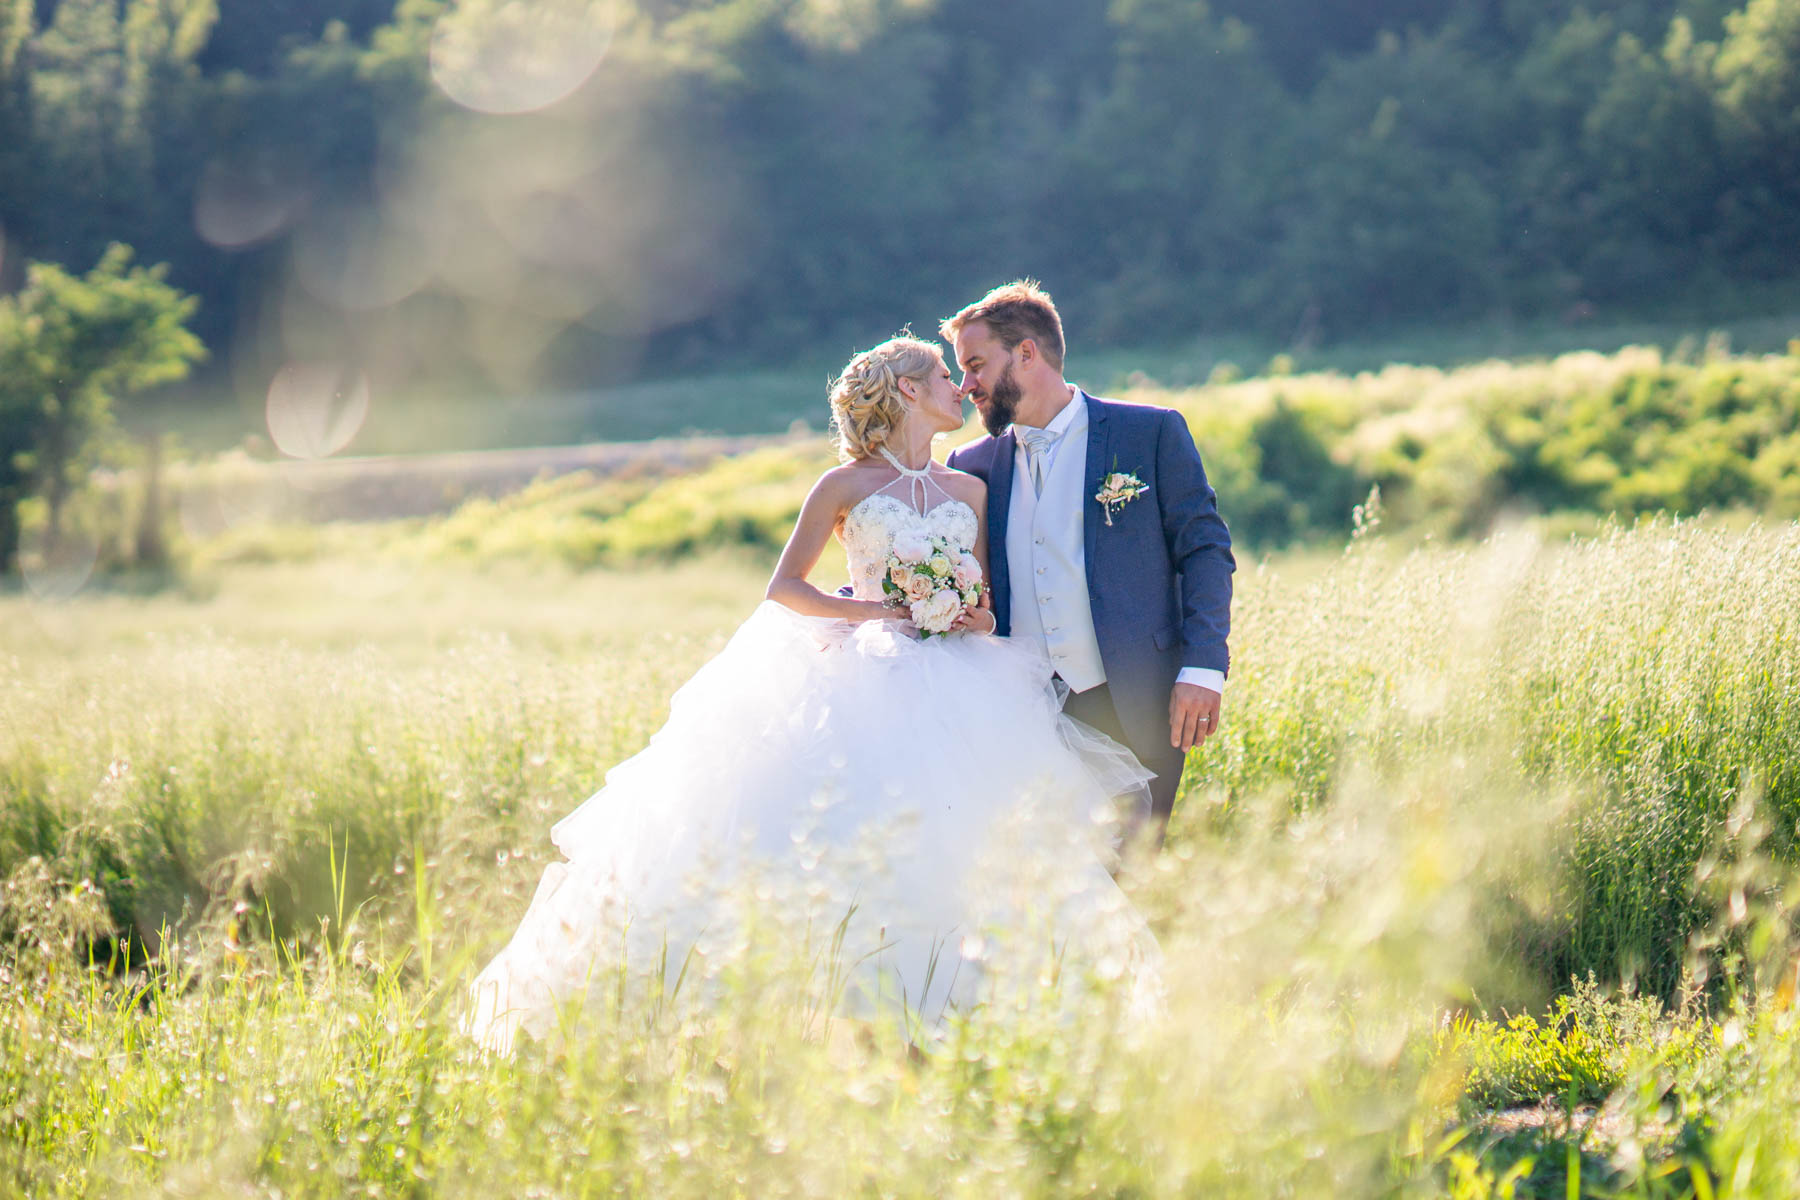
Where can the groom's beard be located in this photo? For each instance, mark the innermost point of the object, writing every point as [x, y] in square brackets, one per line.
[1002, 404]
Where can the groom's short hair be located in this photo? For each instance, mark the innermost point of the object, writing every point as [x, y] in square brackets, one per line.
[1013, 312]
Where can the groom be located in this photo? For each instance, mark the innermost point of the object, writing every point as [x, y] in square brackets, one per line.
[1130, 597]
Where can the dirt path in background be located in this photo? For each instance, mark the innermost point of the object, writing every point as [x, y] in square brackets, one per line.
[384, 487]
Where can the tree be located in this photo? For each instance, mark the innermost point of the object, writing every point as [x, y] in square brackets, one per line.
[1758, 75]
[252, 37]
[69, 348]
[16, 24]
[1298, 37]
[1160, 204]
[1651, 144]
[1399, 210]
[116, 135]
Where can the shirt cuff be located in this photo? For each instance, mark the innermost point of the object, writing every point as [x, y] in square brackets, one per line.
[1206, 677]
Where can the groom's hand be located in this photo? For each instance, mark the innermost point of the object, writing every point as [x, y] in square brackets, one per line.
[983, 605]
[966, 621]
[1193, 715]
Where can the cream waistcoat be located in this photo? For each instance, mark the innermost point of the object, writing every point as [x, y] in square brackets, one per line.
[1046, 559]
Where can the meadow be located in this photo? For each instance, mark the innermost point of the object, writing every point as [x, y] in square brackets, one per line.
[1453, 453]
[212, 415]
[1483, 890]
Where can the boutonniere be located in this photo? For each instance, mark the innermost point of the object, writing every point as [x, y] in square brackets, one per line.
[1119, 489]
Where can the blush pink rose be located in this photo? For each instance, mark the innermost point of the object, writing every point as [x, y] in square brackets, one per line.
[911, 546]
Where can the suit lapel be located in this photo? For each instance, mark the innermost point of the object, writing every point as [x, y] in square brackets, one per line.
[999, 504]
[1098, 464]
[999, 499]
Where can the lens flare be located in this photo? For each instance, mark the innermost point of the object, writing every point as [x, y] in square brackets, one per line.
[262, 496]
[360, 259]
[202, 516]
[517, 56]
[56, 568]
[235, 208]
[508, 341]
[315, 409]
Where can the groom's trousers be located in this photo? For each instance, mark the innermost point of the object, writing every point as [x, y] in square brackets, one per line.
[1095, 707]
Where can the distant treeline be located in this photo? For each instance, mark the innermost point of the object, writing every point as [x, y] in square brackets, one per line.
[742, 175]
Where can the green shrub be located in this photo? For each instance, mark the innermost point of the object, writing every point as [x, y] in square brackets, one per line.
[745, 502]
[1584, 1048]
[1629, 434]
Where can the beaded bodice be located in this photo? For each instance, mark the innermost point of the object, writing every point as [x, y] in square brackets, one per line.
[872, 524]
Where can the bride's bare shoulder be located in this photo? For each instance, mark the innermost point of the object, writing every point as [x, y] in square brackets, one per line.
[843, 486]
[970, 489]
[848, 476]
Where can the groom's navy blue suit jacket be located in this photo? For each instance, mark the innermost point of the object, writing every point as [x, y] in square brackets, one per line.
[1159, 577]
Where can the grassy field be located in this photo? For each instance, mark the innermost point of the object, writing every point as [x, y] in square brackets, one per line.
[1565, 444]
[1456, 784]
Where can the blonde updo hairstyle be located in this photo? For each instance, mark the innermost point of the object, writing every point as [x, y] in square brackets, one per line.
[867, 405]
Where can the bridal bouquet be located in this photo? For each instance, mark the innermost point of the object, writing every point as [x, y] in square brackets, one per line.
[934, 577]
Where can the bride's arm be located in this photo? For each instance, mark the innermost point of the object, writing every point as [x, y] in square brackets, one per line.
[824, 507]
[980, 619]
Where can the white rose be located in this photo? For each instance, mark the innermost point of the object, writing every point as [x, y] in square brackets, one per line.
[938, 611]
[971, 596]
[1115, 481]
[940, 566]
[918, 588]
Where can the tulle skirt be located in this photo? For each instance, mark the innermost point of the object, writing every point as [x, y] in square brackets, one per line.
[920, 806]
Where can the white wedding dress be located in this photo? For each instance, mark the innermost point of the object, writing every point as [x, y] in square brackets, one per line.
[926, 799]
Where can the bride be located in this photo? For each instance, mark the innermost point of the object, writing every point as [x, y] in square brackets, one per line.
[923, 794]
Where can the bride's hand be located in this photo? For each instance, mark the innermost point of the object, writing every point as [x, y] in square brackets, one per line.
[892, 612]
[901, 615]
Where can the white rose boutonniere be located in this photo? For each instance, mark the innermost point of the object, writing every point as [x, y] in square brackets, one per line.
[1119, 489]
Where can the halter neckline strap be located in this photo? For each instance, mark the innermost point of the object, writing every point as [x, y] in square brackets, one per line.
[901, 467]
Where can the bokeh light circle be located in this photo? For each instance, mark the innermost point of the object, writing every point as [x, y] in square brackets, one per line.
[202, 516]
[54, 570]
[360, 259]
[235, 208]
[517, 56]
[315, 409]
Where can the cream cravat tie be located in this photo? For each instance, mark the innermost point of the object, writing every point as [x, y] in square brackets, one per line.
[1037, 443]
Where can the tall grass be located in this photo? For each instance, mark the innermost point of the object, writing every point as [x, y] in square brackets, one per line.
[1450, 780]
[1649, 672]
